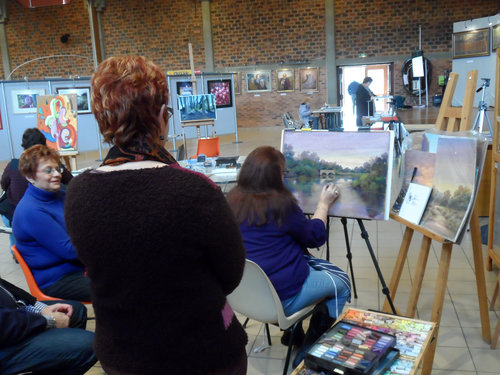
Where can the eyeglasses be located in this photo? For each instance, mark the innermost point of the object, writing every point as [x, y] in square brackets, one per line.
[51, 170]
[170, 112]
[284, 172]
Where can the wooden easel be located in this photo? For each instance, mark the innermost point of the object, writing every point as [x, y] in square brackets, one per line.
[494, 253]
[449, 119]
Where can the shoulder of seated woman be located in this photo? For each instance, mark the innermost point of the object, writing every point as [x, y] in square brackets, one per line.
[132, 165]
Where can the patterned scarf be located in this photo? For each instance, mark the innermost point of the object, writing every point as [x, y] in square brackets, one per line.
[118, 155]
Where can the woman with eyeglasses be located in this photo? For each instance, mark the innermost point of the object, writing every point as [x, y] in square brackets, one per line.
[160, 242]
[40, 229]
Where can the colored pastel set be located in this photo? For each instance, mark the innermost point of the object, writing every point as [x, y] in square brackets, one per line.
[351, 349]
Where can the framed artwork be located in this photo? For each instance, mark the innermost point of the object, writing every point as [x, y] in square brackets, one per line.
[258, 81]
[221, 89]
[24, 101]
[495, 30]
[184, 88]
[285, 80]
[471, 43]
[57, 120]
[82, 97]
[197, 107]
[237, 83]
[360, 163]
[308, 78]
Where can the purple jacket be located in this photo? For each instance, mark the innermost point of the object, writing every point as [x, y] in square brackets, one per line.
[279, 250]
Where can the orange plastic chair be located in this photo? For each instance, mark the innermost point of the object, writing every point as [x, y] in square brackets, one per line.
[208, 146]
[32, 285]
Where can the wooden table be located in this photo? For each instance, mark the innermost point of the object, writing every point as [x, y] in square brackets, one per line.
[412, 336]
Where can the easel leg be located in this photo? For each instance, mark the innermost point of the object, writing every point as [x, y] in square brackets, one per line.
[419, 277]
[437, 307]
[477, 251]
[328, 238]
[398, 268]
[385, 290]
[349, 255]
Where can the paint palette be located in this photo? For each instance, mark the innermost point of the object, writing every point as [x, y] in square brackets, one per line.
[350, 349]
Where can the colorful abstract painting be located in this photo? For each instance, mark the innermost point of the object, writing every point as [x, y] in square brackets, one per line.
[57, 120]
[360, 163]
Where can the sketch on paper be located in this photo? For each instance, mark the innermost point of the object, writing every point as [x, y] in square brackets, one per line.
[57, 120]
[359, 163]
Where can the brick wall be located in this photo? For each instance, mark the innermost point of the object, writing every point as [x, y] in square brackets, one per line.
[247, 35]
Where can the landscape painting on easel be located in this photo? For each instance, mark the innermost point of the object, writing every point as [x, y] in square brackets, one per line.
[453, 187]
[197, 107]
[360, 163]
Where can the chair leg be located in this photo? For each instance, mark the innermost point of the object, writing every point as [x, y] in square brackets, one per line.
[495, 294]
[289, 351]
[268, 335]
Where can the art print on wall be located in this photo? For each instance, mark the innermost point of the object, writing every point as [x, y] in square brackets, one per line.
[308, 78]
[24, 101]
[471, 43]
[360, 163]
[197, 107]
[184, 88]
[221, 89]
[285, 80]
[82, 97]
[495, 30]
[258, 81]
[57, 120]
[237, 83]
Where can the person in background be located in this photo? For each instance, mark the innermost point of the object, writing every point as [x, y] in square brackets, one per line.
[364, 101]
[15, 184]
[160, 242]
[40, 229]
[305, 112]
[277, 235]
[42, 337]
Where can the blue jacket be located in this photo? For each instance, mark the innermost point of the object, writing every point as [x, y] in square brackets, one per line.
[42, 238]
[279, 251]
[305, 113]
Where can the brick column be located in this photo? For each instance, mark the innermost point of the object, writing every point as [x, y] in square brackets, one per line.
[331, 55]
[207, 35]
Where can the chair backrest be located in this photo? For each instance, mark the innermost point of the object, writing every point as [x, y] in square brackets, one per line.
[208, 146]
[32, 285]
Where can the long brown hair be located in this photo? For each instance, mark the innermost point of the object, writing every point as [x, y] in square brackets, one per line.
[260, 195]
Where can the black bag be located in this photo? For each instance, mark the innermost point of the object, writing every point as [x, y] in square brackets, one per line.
[6, 207]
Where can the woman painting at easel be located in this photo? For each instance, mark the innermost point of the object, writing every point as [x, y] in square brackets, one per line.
[364, 100]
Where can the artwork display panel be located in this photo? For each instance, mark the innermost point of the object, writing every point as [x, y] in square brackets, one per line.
[495, 30]
[285, 80]
[221, 89]
[57, 120]
[197, 107]
[308, 78]
[24, 101]
[82, 97]
[360, 163]
[471, 43]
[258, 81]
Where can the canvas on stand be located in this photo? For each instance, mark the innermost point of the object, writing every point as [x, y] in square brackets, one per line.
[57, 120]
[360, 163]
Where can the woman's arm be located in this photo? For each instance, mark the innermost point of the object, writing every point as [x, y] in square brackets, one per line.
[328, 195]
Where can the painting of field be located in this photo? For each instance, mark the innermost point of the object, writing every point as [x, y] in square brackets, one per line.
[360, 163]
[453, 187]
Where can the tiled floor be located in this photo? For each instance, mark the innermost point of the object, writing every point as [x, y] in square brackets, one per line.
[460, 348]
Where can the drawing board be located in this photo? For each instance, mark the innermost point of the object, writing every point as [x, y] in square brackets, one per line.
[360, 163]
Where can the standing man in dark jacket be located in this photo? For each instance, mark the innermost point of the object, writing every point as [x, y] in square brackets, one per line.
[42, 337]
[364, 100]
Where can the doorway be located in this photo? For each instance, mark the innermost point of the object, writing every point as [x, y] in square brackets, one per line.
[381, 86]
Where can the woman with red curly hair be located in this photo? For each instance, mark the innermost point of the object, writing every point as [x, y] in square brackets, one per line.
[40, 229]
[161, 244]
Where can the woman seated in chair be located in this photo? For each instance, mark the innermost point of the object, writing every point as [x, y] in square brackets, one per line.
[40, 230]
[276, 235]
[167, 251]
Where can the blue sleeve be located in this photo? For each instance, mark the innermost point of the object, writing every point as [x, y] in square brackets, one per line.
[17, 325]
[51, 235]
[308, 232]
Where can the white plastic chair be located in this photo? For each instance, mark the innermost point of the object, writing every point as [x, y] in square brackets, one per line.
[257, 299]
